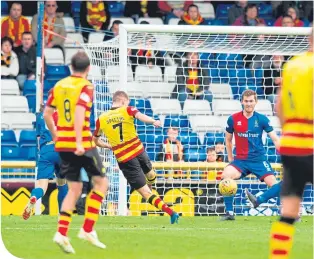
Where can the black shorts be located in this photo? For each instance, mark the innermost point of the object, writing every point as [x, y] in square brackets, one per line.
[72, 164]
[135, 169]
[297, 171]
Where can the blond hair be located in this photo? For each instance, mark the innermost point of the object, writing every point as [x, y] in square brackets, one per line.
[118, 95]
[248, 93]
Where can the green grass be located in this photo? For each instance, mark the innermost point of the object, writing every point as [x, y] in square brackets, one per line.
[154, 237]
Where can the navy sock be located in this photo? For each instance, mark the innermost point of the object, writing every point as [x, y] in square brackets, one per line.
[37, 192]
[272, 192]
[228, 200]
[62, 192]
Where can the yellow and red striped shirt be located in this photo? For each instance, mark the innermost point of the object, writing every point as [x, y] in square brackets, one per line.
[65, 96]
[297, 106]
[117, 124]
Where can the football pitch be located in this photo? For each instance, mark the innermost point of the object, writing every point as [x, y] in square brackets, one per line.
[154, 237]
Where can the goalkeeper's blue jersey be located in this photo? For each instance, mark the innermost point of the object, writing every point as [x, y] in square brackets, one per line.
[42, 130]
[248, 135]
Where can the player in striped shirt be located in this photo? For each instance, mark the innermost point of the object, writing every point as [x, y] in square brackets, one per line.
[247, 128]
[118, 126]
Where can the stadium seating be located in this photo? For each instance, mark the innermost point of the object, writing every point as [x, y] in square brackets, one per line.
[4, 8]
[112, 73]
[226, 107]
[170, 73]
[194, 154]
[197, 107]
[73, 40]
[28, 153]
[8, 138]
[206, 123]
[146, 74]
[115, 8]
[158, 89]
[274, 121]
[9, 87]
[69, 24]
[96, 37]
[124, 20]
[264, 107]
[57, 72]
[143, 105]
[18, 121]
[206, 10]
[211, 138]
[28, 138]
[177, 121]
[16, 104]
[10, 153]
[174, 21]
[165, 106]
[54, 56]
[221, 91]
[69, 53]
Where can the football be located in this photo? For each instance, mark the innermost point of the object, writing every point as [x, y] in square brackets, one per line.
[228, 187]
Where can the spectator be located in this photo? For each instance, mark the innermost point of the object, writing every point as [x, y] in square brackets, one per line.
[287, 21]
[236, 11]
[294, 13]
[172, 149]
[114, 30]
[53, 23]
[192, 81]
[174, 8]
[220, 151]
[250, 17]
[27, 59]
[9, 61]
[94, 16]
[211, 155]
[192, 16]
[136, 9]
[14, 25]
[272, 78]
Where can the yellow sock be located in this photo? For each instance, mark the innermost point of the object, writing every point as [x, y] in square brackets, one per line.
[92, 207]
[281, 239]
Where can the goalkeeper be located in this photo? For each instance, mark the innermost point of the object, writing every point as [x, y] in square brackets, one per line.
[247, 126]
[117, 124]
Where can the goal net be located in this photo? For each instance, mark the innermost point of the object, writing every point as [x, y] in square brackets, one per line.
[191, 78]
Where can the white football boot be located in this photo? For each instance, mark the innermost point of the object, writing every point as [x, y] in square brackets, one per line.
[91, 238]
[64, 243]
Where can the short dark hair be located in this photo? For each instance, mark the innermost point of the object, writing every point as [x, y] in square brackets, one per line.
[144, 22]
[287, 16]
[116, 22]
[6, 39]
[80, 62]
[119, 94]
[219, 142]
[211, 149]
[192, 5]
[27, 33]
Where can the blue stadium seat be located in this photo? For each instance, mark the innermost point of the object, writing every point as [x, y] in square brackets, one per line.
[116, 9]
[177, 121]
[214, 22]
[143, 105]
[28, 138]
[29, 87]
[194, 154]
[4, 8]
[222, 10]
[230, 60]
[151, 138]
[269, 21]
[189, 138]
[306, 22]
[152, 151]
[28, 153]
[265, 10]
[10, 153]
[211, 138]
[8, 138]
[56, 72]
[49, 84]
[142, 128]
[31, 99]
[76, 7]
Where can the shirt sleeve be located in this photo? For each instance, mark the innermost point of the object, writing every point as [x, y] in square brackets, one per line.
[132, 111]
[229, 127]
[266, 125]
[51, 102]
[86, 96]
[97, 131]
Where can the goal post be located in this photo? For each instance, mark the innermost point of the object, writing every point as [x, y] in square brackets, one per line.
[193, 94]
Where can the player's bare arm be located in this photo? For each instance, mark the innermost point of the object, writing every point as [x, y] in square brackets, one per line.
[274, 137]
[146, 119]
[229, 137]
[100, 143]
[278, 108]
[78, 127]
[48, 116]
